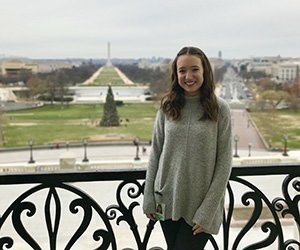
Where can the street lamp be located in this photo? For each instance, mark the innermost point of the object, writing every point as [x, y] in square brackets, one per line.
[136, 142]
[285, 139]
[236, 139]
[249, 147]
[31, 155]
[85, 159]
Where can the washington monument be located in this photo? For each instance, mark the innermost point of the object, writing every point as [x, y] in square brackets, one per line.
[114, 74]
[108, 63]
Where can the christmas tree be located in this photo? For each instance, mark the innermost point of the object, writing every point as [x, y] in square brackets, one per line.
[110, 114]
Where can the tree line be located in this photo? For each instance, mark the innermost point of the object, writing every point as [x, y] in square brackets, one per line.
[142, 75]
[53, 86]
[73, 75]
[269, 91]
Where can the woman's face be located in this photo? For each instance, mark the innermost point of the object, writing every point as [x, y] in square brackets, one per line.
[190, 74]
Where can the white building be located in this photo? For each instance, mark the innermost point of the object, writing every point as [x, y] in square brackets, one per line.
[283, 70]
[12, 68]
[286, 71]
[7, 95]
[263, 64]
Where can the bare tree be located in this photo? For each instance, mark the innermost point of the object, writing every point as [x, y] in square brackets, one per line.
[50, 88]
[36, 86]
[294, 92]
[61, 82]
[274, 97]
[266, 84]
[2, 126]
[161, 86]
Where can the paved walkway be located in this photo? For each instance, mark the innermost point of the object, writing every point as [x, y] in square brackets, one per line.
[93, 77]
[124, 78]
[246, 130]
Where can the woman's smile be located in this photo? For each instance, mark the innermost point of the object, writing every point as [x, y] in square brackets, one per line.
[190, 74]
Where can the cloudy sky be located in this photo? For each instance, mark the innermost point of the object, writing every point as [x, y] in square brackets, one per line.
[146, 28]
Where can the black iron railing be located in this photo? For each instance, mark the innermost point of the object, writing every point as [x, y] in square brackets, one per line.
[18, 221]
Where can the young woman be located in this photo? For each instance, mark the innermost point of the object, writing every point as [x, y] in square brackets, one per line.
[191, 153]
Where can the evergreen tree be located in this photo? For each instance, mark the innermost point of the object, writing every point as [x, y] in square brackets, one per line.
[110, 114]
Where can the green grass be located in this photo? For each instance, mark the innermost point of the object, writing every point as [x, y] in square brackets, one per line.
[108, 75]
[53, 124]
[56, 124]
[274, 124]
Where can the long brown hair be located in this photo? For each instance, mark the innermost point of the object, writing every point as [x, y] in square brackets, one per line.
[174, 100]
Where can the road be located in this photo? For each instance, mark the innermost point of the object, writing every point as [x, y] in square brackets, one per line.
[245, 129]
[235, 92]
[233, 87]
[109, 153]
[94, 153]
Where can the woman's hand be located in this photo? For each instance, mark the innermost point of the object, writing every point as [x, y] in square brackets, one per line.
[197, 229]
[151, 216]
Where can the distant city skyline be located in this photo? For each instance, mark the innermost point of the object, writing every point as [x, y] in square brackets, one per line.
[144, 29]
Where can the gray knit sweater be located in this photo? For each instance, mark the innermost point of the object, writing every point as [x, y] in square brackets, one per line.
[189, 166]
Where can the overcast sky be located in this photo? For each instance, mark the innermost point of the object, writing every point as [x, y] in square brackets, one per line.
[146, 28]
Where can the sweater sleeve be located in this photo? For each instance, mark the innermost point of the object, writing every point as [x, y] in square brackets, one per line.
[156, 149]
[208, 209]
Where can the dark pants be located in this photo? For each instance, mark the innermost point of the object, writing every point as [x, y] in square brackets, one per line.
[179, 236]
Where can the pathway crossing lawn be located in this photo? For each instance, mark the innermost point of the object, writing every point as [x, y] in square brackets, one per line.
[109, 75]
[274, 124]
[55, 124]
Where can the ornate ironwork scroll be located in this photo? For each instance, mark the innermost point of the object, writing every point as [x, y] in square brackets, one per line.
[131, 187]
[53, 218]
[289, 205]
[126, 212]
[274, 229]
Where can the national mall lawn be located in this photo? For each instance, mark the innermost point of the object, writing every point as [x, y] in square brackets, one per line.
[52, 125]
[56, 124]
[275, 124]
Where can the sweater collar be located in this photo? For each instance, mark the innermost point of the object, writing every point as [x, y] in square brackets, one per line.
[191, 99]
